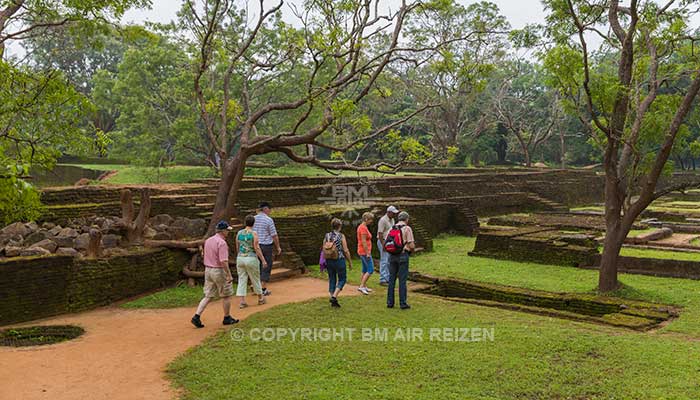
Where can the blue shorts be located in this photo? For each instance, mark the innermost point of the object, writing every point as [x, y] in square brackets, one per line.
[367, 264]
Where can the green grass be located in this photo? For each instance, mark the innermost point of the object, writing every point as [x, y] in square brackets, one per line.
[589, 208]
[303, 170]
[130, 174]
[178, 296]
[450, 259]
[531, 357]
[688, 212]
[682, 204]
[662, 254]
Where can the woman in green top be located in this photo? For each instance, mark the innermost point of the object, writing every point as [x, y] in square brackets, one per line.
[247, 262]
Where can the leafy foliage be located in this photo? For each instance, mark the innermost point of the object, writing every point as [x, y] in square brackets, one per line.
[19, 201]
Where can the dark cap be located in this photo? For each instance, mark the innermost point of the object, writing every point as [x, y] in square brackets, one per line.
[264, 204]
[223, 226]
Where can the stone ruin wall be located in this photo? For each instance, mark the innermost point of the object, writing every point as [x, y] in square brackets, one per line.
[38, 287]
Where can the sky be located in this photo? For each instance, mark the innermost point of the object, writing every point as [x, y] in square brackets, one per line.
[518, 12]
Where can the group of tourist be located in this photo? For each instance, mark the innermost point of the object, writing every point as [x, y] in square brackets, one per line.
[258, 242]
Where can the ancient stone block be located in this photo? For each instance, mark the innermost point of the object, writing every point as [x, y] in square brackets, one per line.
[34, 251]
[48, 225]
[82, 241]
[55, 230]
[110, 241]
[180, 222]
[64, 241]
[47, 244]
[161, 219]
[176, 232]
[195, 227]
[162, 236]
[17, 228]
[6, 239]
[67, 251]
[36, 237]
[69, 232]
[160, 227]
[12, 251]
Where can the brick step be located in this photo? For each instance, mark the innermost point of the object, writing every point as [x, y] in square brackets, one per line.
[284, 273]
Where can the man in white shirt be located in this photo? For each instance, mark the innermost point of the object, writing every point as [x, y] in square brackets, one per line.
[383, 227]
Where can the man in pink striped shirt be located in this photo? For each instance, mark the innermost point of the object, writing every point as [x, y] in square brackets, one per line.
[217, 276]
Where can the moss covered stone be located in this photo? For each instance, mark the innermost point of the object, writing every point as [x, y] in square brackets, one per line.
[632, 314]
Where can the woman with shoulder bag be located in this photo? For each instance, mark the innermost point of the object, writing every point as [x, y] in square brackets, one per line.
[335, 251]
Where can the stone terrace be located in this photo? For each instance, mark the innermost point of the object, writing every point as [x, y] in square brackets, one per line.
[438, 203]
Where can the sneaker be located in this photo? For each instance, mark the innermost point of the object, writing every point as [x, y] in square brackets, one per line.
[405, 307]
[363, 290]
[262, 301]
[384, 283]
[389, 306]
[266, 292]
[243, 305]
[368, 289]
[334, 302]
[197, 322]
[229, 320]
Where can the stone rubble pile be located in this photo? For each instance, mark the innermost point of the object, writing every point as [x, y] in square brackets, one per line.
[31, 239]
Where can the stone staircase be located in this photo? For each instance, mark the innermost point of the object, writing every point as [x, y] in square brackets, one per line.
[467, 219]
[421, 235]
[548, 205]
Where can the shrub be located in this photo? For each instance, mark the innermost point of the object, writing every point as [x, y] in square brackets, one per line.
[19, 201]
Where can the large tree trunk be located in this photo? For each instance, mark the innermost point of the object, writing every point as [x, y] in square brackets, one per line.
[227, 194]
[475, 158]
[526, 155]
[501, 150]
[607, 278]
[562, 150]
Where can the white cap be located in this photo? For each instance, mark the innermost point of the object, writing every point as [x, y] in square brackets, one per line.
[392, 209]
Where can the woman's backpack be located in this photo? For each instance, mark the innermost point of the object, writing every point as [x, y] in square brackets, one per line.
[330, 250]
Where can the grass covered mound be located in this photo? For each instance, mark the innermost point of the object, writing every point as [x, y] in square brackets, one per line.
[179, 296]
[39, 335]
[530, 357]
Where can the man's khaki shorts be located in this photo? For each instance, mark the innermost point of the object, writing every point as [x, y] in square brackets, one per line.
[215, 284]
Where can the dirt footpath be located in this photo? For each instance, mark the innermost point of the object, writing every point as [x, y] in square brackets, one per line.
[123, 353]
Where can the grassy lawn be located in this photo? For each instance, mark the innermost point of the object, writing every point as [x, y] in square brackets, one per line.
[178, 296]
[132, 174]
[663, 254]
[531, 357]
[450, 259]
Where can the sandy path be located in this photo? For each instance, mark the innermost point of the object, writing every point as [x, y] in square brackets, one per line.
[123, 353]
